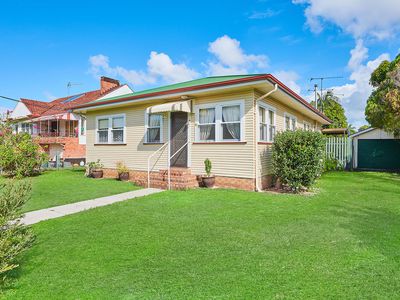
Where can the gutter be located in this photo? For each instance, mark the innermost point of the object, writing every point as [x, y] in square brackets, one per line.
[255, 109]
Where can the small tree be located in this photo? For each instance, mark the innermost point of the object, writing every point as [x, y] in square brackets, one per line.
[14, 238]
[297, 158]
[208, 167]
[20, 155]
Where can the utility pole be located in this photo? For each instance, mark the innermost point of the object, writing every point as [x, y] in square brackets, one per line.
[321, 83]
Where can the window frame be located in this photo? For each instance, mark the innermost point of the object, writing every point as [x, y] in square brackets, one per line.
[292, 117]
[218, 121]
[146, 127]
[305, 124]
[267, 108]
[110, 129]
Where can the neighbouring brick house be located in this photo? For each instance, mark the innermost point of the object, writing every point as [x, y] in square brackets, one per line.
[60, 131]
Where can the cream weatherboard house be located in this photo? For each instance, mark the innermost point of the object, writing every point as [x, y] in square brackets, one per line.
[163, 135]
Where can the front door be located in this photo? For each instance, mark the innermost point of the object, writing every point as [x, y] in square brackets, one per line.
[179, 136]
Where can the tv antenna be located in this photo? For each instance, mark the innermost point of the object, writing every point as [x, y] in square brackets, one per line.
[70, 84]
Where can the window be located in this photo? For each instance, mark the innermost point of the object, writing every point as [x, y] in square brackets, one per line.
[27, 127]
[290, 122]
[153, 128]
[111, 129]
[267, 123]
[83, 125]
[220, 122]
[207, 124]
[307, 126]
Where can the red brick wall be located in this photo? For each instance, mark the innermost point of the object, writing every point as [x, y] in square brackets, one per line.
[107, 83]
[72, 148]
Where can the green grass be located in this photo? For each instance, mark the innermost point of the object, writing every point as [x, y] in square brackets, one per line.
[341, 243]
[58, 187]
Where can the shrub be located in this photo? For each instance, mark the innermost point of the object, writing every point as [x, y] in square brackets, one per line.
[122, 168]
[297, 158]
[20, 155]
[14, 238]
[332, 164]
[208, 167]
[93, 166]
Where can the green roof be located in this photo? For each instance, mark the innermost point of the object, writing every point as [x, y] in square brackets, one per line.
[191, 83]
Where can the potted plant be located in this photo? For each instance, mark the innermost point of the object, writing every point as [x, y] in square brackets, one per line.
[123, 171]
[94, 169]
[208, 180]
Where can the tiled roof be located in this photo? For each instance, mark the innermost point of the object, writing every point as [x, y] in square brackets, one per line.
[36, 107]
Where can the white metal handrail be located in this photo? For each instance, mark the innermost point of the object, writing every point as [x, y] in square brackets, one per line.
[148, 162]
[169, 164]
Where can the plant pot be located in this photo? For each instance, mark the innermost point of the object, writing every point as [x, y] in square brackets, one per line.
[123, 176]
[97, 173]
[208, 181]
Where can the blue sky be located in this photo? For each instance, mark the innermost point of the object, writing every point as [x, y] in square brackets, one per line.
[45, 45]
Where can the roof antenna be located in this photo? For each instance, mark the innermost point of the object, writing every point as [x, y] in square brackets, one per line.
[70, 84]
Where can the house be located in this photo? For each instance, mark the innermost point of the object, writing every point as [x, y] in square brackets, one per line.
[163, 135]
[61, 132]
[375, 149]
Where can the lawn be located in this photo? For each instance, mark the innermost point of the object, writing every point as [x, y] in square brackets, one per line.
[342, 242]
[53, 188]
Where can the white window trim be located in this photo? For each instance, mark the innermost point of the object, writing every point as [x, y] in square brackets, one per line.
[267, 108]
[109, 117]
[146, 126]
[218, 120]
[291, 117]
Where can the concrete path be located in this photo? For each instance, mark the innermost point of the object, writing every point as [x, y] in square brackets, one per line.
[73, 208]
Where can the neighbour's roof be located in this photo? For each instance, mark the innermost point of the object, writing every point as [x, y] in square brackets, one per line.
[36, 107]
[203, 83]
[362, 131]
[335, 131]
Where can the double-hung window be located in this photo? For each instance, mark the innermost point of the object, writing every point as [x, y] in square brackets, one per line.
[290, 122]
[110, 129]
[266, 121]
[154, 128]
[220, 122]
[306, 126]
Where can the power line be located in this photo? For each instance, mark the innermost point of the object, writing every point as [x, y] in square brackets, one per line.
[12, 99]
[321, 88]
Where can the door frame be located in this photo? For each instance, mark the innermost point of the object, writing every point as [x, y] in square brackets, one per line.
[189, 144]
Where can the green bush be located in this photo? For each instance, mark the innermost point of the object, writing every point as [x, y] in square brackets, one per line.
[297, 158]
[14, 238]
[332, 164]
[20, 155]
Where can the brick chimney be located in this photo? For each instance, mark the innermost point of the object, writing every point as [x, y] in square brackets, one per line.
[107, 83]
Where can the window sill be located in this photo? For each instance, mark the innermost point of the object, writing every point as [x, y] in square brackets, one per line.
[220, 143]
[160, 143]
[114, 144]
[265, 143]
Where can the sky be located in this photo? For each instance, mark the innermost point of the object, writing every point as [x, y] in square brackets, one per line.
[46, 44]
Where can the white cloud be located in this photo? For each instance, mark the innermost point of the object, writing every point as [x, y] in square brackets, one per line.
[231, 59]
[289, 78]
[159, 66]
[360, 18]
[264, 14]
[49, 96]
[357, 92]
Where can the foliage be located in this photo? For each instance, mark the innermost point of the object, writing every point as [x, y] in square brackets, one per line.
[219, 243]
[20, 154]
[297, 158]
[93, 166]
[352, 129]
[14, 238]
[383, 105]
[333, 110]
[207, 167]
[363, 127]
[122, 168]
[332, 164]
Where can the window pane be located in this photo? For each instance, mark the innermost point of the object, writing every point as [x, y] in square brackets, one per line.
[293, 124]
[154, 120]
[287, 123]
[153, 135]
[271, 117]
[231, 113]
[263, 132]
[103, 124]
[262, 114]
[206, 115]
[103, 136]
[207, 132]
[118, 122]
[271, 133]
[118, 136]
[231, 131]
